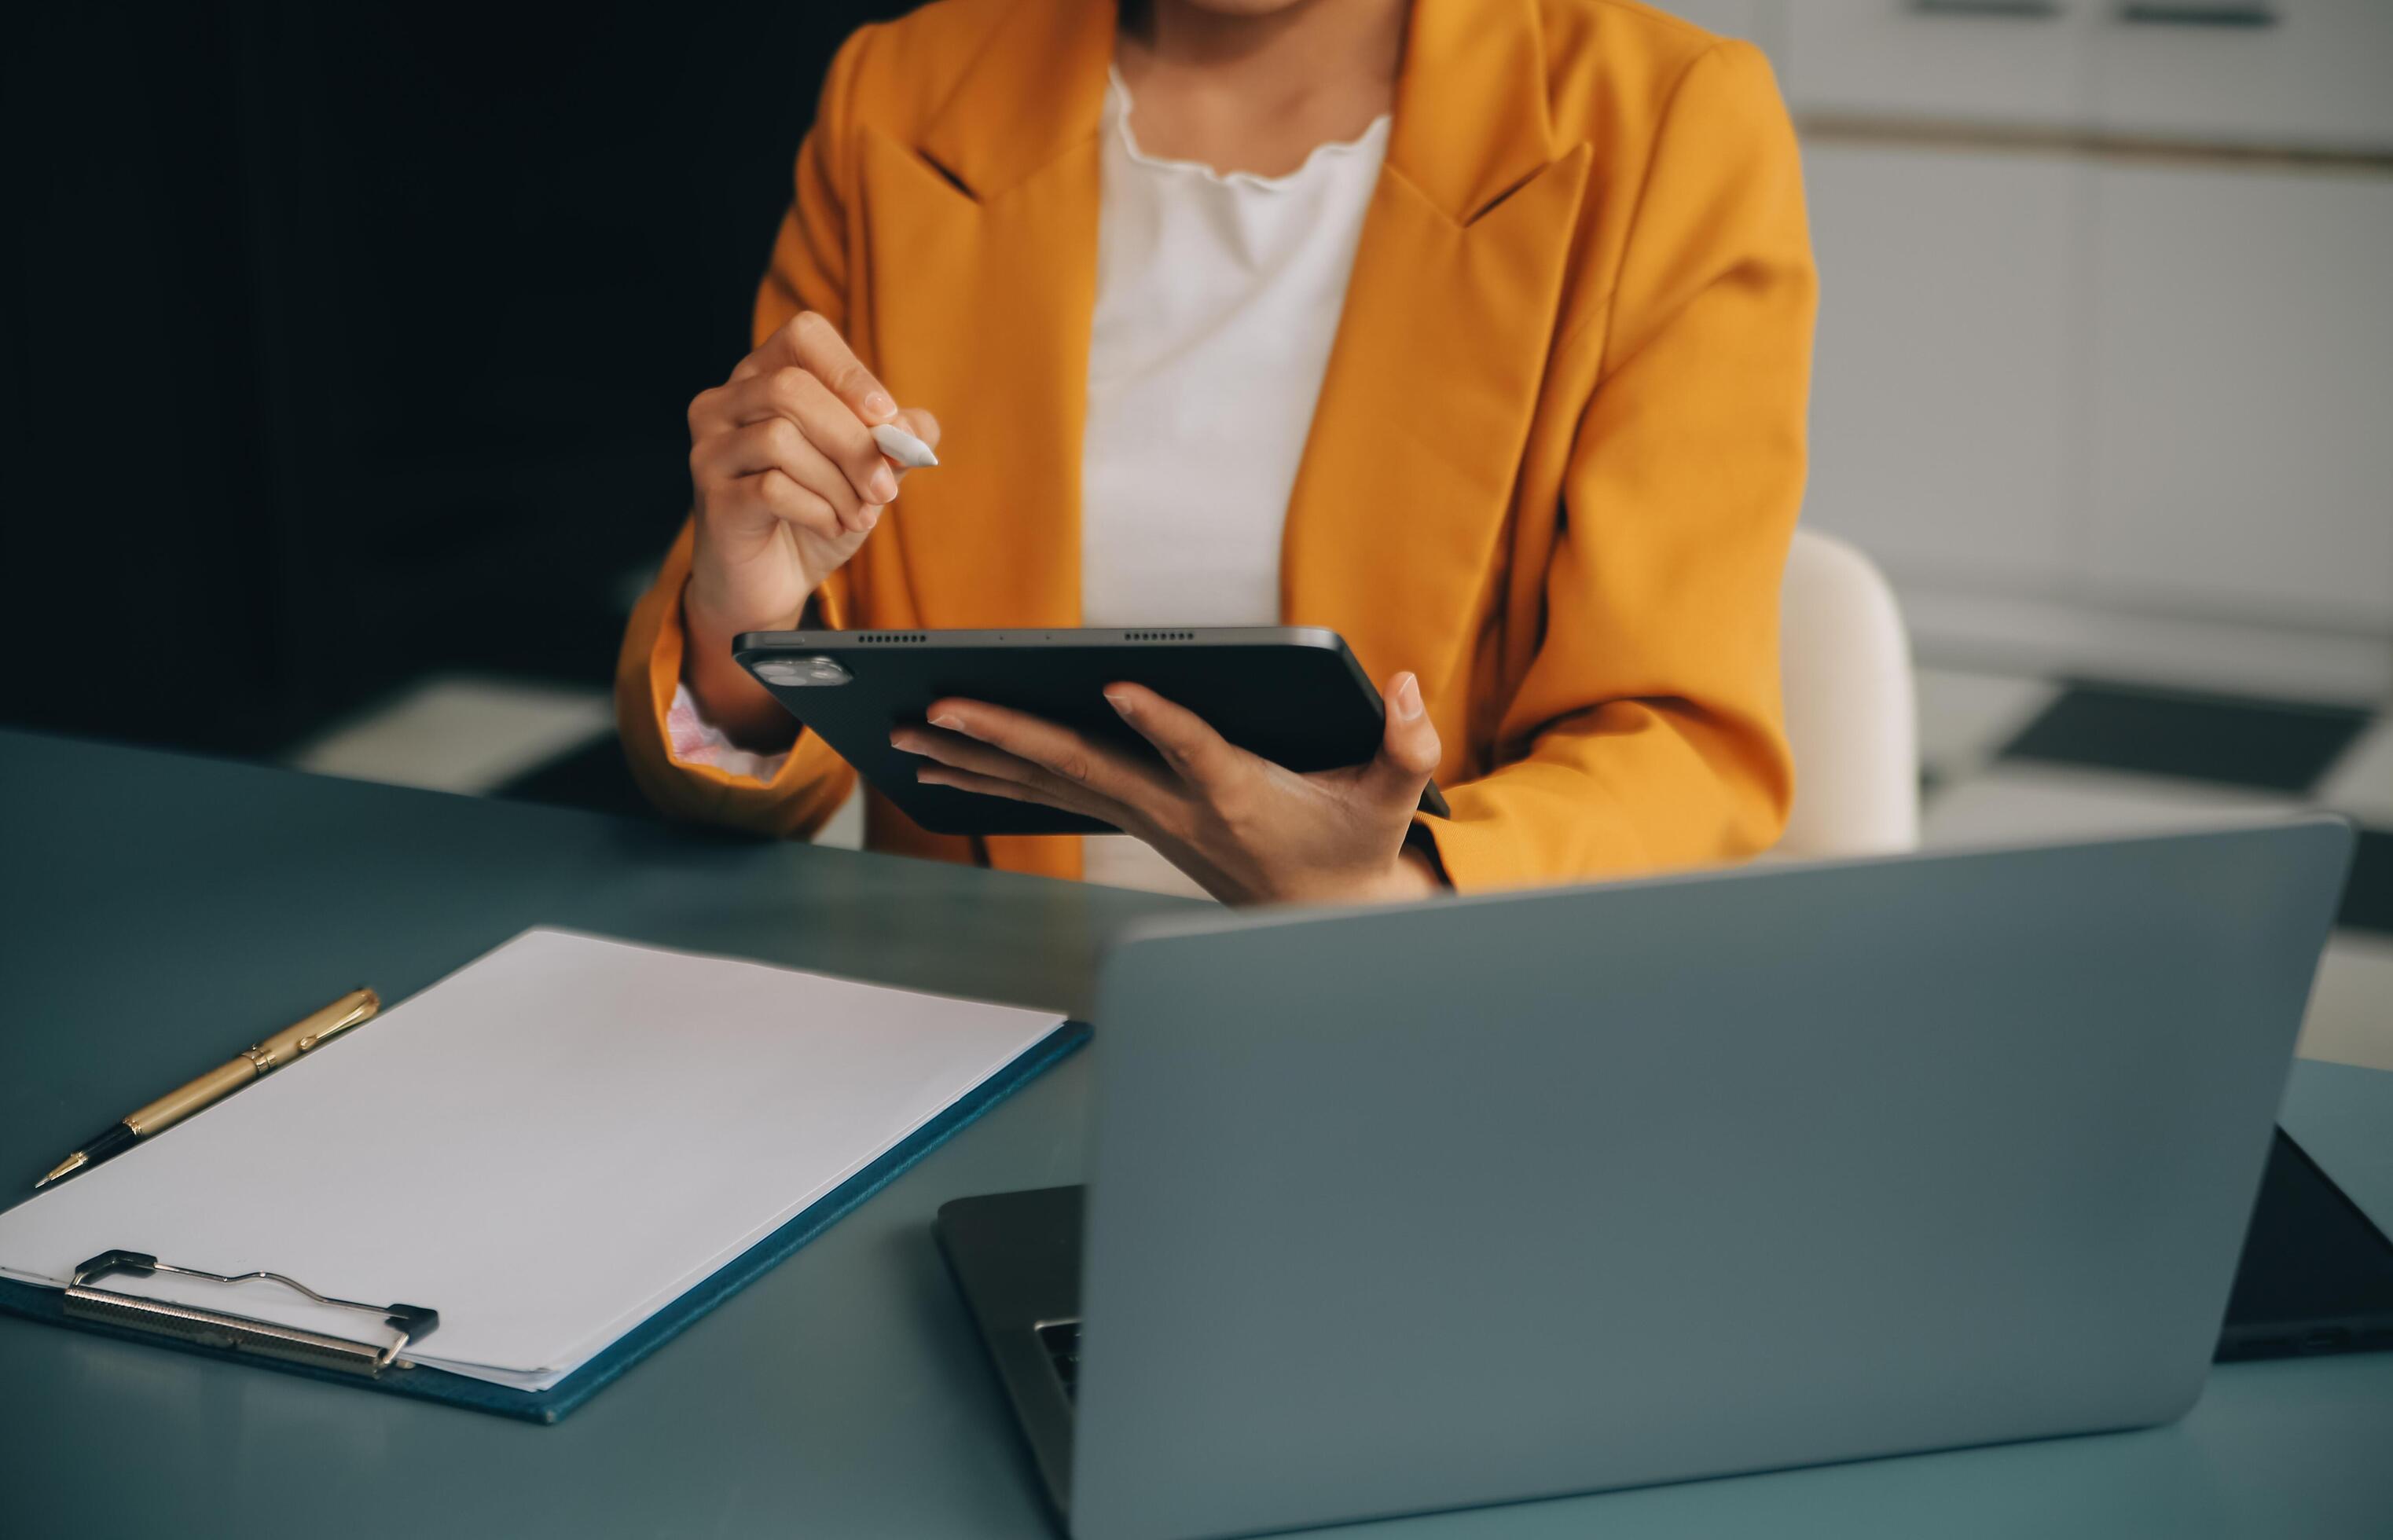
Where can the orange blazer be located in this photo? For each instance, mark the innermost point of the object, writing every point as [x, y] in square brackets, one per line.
[1557, 454]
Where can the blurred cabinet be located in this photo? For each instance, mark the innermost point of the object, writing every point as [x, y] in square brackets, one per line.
[2283, 73]
[1976, 61]
[2243, 416]
[2297, 73]
[2107, 300]
[2106, 323]
[1941, 414]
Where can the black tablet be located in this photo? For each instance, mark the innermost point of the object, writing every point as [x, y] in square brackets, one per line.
[1292, 694]
[2317, 1277]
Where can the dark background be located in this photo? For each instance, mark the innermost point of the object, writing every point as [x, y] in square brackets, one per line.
[342, 344]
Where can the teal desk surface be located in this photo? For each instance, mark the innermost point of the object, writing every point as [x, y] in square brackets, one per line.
[156, 910]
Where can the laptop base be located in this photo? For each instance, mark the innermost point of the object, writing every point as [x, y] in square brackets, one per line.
[2316, 1277]
[1017, 1260]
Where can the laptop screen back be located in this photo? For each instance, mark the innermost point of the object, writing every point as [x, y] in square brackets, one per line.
[1487, 1199]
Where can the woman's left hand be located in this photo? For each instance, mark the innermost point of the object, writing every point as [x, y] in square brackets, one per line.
[1247, 829]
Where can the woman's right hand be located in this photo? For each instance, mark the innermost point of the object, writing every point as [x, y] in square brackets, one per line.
[787, 483]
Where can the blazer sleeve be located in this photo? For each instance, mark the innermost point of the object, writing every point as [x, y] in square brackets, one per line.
[1650, 723]
[809, 272]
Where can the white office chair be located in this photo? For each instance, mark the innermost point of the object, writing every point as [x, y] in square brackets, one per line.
[1850, 714]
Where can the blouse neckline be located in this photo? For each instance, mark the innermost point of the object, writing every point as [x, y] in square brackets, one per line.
[1370, 142]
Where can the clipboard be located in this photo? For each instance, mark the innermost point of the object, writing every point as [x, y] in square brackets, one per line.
[377, 1360]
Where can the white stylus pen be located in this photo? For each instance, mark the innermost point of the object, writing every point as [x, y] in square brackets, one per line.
[903, 446]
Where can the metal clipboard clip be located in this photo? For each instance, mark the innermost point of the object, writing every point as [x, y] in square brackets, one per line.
[241, 1333]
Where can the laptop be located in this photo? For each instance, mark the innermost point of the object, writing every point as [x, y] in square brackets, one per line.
[1503, 1197]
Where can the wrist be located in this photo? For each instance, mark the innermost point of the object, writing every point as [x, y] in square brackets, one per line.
[725, 693]
[710, 630]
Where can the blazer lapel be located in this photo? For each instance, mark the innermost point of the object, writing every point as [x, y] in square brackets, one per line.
[1425, 409]
[984, 239]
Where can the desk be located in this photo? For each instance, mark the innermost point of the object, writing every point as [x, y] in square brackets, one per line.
[157, 908]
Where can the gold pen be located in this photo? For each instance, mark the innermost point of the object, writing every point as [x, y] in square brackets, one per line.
[301, 1036]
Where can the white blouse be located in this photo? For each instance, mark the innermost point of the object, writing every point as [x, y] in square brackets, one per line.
[1218, 298]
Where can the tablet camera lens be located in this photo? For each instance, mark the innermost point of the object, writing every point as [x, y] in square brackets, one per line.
[803, 671]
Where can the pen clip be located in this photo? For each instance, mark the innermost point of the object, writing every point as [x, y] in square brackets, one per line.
[356, 1013]
[320, 1028]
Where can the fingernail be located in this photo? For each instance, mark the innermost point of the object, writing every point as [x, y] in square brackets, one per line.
[871, 516]
[1408, 700]
[879, 407]
[882, 484]
[1119, 701]
[899, 740]
[952, 722]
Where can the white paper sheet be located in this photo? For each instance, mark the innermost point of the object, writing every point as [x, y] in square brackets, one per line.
[546, 1147]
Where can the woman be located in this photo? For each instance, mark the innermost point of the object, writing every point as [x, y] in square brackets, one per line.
[1477, 331]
